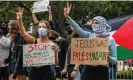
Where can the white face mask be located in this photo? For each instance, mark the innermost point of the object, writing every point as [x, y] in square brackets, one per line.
[42, 31]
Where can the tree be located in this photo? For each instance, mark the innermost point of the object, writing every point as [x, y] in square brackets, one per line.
[80, 11]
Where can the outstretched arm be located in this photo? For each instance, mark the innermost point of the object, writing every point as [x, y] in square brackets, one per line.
[77, 28]
[35, 18]
[50, 13]
[28, 38]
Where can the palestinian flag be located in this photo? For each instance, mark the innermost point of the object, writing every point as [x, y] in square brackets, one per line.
[122, 31]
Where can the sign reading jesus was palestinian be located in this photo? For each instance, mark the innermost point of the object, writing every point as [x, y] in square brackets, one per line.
[89, 51]
[38, 54]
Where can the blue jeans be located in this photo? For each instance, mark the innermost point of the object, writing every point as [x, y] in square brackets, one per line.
[112, 73]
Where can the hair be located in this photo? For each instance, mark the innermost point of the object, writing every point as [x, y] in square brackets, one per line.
[4, 27]
[1, 32]
[54, 33]
[14, 24]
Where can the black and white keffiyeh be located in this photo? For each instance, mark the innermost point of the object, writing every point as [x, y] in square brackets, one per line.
[102, 28]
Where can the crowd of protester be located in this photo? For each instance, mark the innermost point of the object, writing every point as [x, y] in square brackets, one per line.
[11, 48]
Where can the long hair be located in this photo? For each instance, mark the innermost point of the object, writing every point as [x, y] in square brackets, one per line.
[14, 25]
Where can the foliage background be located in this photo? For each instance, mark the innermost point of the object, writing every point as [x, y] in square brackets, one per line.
[81, 10]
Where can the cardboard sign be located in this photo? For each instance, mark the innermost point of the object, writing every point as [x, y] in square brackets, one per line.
[89, 51]
[40, 6]
[38, 55]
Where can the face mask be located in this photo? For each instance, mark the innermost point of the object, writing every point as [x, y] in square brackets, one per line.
[99, 29]
[42, 31]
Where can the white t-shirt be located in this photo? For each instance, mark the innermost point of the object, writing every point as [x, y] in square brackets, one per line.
[4, 49]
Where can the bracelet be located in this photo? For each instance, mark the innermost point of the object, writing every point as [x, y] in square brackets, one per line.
[74, 69]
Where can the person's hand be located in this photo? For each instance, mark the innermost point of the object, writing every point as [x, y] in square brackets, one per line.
[49, 7]
[67, 11]
[64, 71]
[108, 52]
[73, 73]
[19, 14]
[31, 9]
[55, 47]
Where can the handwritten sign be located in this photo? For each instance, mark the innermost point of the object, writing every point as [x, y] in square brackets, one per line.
[89, 51]
[38, 55]
[40, 6]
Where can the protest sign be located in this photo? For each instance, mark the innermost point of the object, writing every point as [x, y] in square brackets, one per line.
[89, 51]
[40, 6]
[38, 55]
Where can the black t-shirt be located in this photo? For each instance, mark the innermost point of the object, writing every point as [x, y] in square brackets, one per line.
[63, 47]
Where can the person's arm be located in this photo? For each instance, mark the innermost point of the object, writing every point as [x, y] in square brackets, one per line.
[28, 38]
[76, 67]
[113, 51]
[78, 29]
[73, 74]
[56, 58]
[35, 18]
[5, 42]
[56, 55]
[50, 14]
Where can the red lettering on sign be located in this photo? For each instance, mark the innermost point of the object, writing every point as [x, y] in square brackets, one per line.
[80, 56]
[29, 61]
[75, 55]
[31, 48]
[36, 47]
[40, 47]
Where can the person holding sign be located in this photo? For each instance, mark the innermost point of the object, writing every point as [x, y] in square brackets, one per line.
[38, 72]
[100, 29]
[63, 46]
[36, 21]
[72, 70]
